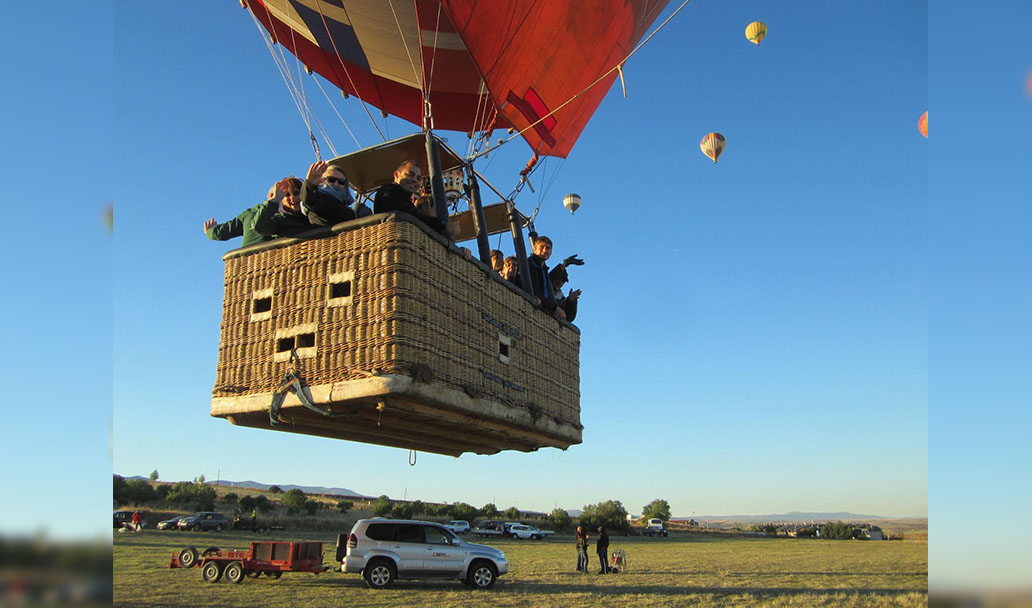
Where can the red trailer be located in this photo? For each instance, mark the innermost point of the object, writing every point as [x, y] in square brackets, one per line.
[271, 558]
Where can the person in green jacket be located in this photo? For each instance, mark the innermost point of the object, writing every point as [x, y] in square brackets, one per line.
[265, 221]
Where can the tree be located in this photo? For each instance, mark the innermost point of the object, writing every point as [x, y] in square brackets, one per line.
[118, 490]
[231, 497]
[657, 508]
[837, 531]
[489, 510]
[294, 500]
[275, 490]
[154, 475]
[311, 506]
[610, 514]
[200, 478]
[247, 503]
[402, 510]
[560, 519]
[418, 507]
[461, 510]
[263, 504]
[345, 505]
[382, 506]
[139, 491]
[512, 513]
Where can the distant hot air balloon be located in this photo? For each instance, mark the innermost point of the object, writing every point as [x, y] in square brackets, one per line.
[922, 124]
[712, 145]
[572, 202]
[755, 32]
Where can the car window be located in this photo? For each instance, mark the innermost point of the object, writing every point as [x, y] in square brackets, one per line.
[410, 533]
[437, 536]
[380, 531]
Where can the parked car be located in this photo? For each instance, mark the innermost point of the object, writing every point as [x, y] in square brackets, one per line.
[170, 524]
[384, 550]
[458, 526]
[122, 518]
[204, 520]
[518, 531]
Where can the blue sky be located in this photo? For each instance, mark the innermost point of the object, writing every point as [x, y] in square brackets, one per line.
[755, 332]
[748, 327]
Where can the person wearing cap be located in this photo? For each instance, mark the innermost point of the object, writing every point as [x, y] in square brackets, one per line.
[326, 196]
[558, 277]
[497, 260]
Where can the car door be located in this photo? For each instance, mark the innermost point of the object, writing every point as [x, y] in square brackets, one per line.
[410, 546]
[443, 555]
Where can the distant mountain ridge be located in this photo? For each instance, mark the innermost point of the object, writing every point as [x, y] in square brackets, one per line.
[790, 516]
[257, 485]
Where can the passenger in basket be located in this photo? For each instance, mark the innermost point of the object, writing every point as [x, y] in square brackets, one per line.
[326, 196]
[602, 548]
[285, 218]
[582, 549]
[510, 271]
[398, 196]
[568, 304]
[242, 225]
[497, 260]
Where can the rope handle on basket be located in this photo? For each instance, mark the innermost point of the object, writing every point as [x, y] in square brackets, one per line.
[292, 382]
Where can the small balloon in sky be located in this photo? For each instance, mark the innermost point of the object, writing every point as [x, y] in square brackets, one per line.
[922, 124]
[109, 217]
[572, 202]
[1028, 84]
[712, 145]
[755, 32]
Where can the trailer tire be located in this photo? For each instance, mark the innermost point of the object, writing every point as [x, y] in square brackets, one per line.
[234, 572]
[211, 571]
[188, 557]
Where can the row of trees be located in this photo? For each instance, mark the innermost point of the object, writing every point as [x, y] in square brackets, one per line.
[200, 496]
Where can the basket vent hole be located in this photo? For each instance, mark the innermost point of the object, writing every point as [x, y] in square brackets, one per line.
[305, 340]
[262, 305]
[503, 349]
[285, 345]
[340, 290]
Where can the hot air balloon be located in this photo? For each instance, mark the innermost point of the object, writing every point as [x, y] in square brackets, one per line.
[372, 330]
[712, 145]
[572, 202]
[755, 32]
[922, 124]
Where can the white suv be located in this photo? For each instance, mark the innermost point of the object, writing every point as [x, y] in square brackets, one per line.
[384, 550]
[458, 526]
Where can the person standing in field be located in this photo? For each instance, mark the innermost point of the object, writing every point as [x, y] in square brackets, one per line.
[136, 521]
[582, 550]
[602, 548]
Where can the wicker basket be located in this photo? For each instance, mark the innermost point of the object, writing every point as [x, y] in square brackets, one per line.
[399, 338]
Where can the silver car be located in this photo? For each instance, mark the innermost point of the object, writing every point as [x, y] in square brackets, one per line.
[384, 550]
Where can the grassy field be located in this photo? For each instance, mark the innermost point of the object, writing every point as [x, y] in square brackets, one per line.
[682, 570]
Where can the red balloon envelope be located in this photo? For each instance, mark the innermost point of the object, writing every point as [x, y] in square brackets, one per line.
[922, 124]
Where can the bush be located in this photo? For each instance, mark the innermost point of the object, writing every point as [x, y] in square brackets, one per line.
[461, 510]
[657, 508]
[512, 513]
[345, 505]
[119, 491]
[402, 510]
[275, 490]
[837, 531]
[382, 506]
[489, 510]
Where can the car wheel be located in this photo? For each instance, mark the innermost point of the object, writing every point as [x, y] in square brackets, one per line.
[536, 537]
[188, 557]
[379, 574]
[234, 572]
[515, 536]
[211, 571]
[482, 575]
[218, 528]
[209, 551]
[197, 527]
